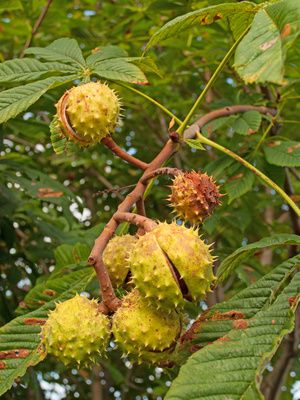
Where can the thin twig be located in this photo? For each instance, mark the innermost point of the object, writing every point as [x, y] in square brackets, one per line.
[161, 171]
[113, 190]
[190, 132]
[112, 145]
[36, 26]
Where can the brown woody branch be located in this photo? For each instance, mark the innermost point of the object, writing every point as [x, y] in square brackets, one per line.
[145, 223]
[109, 299]
[36, 26]
[108, 296]
[223, 112]
[160, 171]
[112, 145]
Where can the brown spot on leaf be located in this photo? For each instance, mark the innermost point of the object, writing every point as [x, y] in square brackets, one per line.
[22, 304]
[235, 177]
[240, 324]
[49, 292]
[274, 143]
[273, 322]
[223, 339]
[2, 365]
[267, 45]
[292, 300]
[144, 83]
[194, 329]
[251, 131]
[48, 192]
[233, 314]
[19, 353]
[194, 347]
[34, 321]
[218, 16]
[293, 148]
[286, 30]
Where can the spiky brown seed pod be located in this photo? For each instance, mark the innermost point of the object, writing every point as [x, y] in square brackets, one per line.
[87, 113]
[171, 263]
[115, 257]
[144, 333]
[194, 196]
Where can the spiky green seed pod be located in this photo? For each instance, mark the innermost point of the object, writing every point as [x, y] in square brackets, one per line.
[143, 333]
[171, 263]
[194, 196]
[115, 257]
[76, 332]
[88, 113]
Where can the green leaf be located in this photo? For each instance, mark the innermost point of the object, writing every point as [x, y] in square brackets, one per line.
[231, 262]
[245, 304]
[250, 343]
[261, 54]
[16, 100]
[66, 254]
[119, 70]
[248, 123]
[204, 16]
[284, 154]
[239, 184]
[29, 69]
[63, 50]
[10, 5]
[195, 144]
[105, 53]
[22, 334]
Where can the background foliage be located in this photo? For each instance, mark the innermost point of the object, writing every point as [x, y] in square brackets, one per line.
[53, 205]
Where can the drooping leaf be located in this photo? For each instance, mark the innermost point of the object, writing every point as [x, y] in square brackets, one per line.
[16, 100]
[238, 360]
[284, 154]
[29, 69]
[239, 184]
[63, 50]
[261, 54]
[20, 339]
[245, 304]
[233, 260]
[120, 70]
[204, 16]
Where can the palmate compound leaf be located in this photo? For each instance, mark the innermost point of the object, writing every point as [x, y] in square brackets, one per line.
[204, 16]
[16, 100]
[20, 340]
[64, 50]
[231, 368]
[233, 260]
[29, 69]
[261, 54]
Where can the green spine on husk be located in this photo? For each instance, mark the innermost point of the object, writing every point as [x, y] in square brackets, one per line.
[171, 263]
[115, 257]
[76, 332]
[143, 333]
[87, 113]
